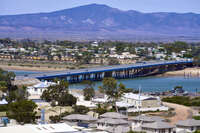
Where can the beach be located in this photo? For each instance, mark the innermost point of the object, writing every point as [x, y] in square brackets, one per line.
[188, 72]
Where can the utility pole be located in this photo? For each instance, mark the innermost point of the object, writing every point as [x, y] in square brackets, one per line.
[139, 101]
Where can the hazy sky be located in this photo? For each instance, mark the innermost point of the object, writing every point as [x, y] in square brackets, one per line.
[35, 6]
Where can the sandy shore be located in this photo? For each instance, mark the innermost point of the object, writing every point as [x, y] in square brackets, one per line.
[188, 72]
[26, 68]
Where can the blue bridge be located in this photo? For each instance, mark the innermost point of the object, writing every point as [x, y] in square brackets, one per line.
[116, 71]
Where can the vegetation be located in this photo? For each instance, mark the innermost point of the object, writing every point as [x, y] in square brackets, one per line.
[59, 94]
[55, 119]
[113, 90]
[22, 111]
[197, 131]
[88, 91]
[113, 61]
[80, 109]
[135, 131]
[196, 117]
[183, 100]
[100, 110]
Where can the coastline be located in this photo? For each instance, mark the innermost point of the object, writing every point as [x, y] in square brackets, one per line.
[26, 68]
[187, 72]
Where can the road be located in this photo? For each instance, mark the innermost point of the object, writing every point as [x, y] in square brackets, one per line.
[182, 112]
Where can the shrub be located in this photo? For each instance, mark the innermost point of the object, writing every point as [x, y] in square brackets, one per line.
[80, 109]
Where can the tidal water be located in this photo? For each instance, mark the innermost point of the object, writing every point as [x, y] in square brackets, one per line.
[148, 84]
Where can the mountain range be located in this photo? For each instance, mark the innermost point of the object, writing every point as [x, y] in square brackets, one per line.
[96, 21]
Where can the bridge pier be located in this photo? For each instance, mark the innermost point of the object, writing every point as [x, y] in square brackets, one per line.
[118, 72]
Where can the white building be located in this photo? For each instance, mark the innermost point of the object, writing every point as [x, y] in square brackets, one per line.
[46, 128]
[141, 102]
[188, 126]
[37, 90]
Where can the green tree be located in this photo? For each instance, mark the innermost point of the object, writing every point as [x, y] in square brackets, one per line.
[59, 93]
[88, 91]
[17, 94]
[113, 61]
[23, 111]
[112, 90]
[80, 109]
[197, 131]
[120, 47]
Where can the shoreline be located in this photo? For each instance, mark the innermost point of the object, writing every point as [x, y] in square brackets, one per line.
[187, 72]
[26, 68]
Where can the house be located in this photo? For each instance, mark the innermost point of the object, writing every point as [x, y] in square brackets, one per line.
[110, 120]
[144, 119]
[142, 101]
[109, 124]
[95, 44]
[113, 115]
[157, 127]
[44, 128]
[3, 101]
[37, 90]
[188, 126]
[80, 120]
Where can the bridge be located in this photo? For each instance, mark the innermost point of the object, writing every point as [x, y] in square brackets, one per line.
[116, 71]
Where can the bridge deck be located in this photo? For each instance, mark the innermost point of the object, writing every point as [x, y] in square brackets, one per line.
[104, 69]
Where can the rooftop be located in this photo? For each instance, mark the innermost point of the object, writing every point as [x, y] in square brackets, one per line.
[189, 122]
[46, 128]
[79, 117]
[157, 125]
[137, 96]
[113, 115]
[147, 118]
[112, 121]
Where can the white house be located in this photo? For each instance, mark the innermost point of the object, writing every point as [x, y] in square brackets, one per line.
[136, 102]
[3, 102]
[188, 126]
[37, 90]
[141, 100]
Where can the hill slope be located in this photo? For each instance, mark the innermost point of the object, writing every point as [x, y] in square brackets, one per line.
[100, 22]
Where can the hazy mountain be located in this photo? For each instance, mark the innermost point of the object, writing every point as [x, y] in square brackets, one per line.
[100, 22]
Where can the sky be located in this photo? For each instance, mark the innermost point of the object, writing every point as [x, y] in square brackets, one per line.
[11, 7]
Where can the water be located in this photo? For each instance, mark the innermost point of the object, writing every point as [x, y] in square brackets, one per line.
[155, 84]
[148, 84]
[22, 73]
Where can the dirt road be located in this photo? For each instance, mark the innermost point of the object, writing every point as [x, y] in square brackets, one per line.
[182, 112]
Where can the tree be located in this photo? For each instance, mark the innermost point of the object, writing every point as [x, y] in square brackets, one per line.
[112, 90]
[120, 47]
[55, 119]
[67, 99]
[88, 91]
[113, 61]
[80, 109]
[17, 94]
[59, 93]
[22, 111]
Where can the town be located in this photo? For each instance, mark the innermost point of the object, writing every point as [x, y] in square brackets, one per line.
[61, 55]
[99, 66]
[53, 107]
